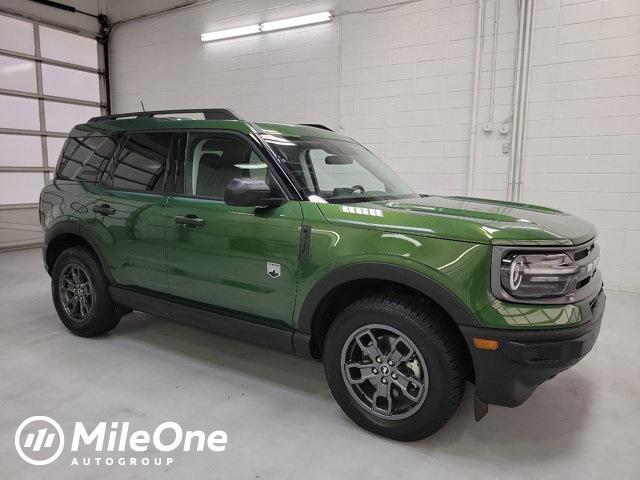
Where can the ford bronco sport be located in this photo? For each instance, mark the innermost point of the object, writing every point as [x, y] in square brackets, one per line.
[299, 238]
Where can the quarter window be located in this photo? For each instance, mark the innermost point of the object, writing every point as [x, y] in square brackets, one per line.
[142, 162]
[84, 158]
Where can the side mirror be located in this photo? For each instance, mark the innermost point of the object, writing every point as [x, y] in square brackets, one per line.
[249, 192]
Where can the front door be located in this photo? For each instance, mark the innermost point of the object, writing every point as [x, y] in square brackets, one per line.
[241, 259]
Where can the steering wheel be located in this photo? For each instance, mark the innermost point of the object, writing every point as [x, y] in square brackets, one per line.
[358, 187]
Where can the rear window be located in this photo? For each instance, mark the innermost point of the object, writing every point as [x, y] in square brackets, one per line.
[84, 158]
[142, 162]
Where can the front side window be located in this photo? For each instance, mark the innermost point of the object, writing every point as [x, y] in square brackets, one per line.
[339, 171]
[214, 160]
[142, 162]
[84, 158]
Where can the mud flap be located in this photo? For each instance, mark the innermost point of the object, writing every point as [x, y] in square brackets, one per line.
[481, 408]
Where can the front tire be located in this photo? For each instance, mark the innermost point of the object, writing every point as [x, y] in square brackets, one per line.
[80, 292]
[394, 366]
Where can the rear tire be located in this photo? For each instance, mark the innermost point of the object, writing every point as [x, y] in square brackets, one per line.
[407, 399]
[80, 292]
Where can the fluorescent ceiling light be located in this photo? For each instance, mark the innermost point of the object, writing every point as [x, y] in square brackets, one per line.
[267, 26]
[230, 33]
[296, 21]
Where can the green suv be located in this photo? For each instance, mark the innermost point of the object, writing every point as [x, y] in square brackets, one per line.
[299, 238]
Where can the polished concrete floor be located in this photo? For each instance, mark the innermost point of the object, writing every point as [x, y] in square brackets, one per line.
[281, 420]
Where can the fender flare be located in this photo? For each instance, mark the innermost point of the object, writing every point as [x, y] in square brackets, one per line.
[79, 230]
[459, 312]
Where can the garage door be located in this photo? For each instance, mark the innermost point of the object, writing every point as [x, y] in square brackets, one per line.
[50, 80]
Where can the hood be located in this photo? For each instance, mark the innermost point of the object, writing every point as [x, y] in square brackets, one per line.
[468, 219]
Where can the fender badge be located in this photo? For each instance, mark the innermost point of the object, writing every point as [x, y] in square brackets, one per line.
[273, 269]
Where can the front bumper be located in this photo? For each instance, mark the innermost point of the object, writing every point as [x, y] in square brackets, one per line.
[524, 359]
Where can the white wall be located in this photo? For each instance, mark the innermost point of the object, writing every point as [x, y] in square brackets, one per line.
[400, 81]
[267, 77]
[583, 147]
[405, 87]
[407, 91]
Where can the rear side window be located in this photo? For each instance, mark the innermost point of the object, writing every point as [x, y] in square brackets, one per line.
[84, 158]
[142, 162]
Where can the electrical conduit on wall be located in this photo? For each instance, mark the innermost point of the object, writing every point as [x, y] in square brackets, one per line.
[471, 165]
[520, 100]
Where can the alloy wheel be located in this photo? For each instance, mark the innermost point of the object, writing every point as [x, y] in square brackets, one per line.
[76, 292]
[384, 371]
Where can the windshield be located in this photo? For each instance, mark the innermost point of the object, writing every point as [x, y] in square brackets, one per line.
[339, 171]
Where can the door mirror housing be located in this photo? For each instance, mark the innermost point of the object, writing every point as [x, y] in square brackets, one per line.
[250, 192]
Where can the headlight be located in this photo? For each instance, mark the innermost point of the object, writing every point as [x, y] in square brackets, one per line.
[537, 275]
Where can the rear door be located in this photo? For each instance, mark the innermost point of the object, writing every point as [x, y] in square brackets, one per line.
[130, 209]
[242, 259]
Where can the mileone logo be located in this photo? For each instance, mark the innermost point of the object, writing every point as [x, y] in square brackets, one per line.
[40, 440]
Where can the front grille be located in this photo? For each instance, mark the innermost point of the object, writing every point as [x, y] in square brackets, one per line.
[580, 254]
[582, 283]
[588, 258]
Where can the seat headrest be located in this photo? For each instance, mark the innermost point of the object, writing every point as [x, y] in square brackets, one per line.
[210, 159]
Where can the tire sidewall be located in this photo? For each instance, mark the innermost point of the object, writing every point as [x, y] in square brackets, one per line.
[435, 405]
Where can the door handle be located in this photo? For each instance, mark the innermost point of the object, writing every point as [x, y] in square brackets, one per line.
[104, 209]
[191, 220]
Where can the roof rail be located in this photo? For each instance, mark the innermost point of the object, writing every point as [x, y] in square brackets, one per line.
[209, 114]
[317, 125]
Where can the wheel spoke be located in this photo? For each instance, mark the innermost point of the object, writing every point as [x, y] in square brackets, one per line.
[410, 386]
[73, 303]
[381, 400]
[75, 274]
[364, 372]
[369, 345]
[401, 351]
